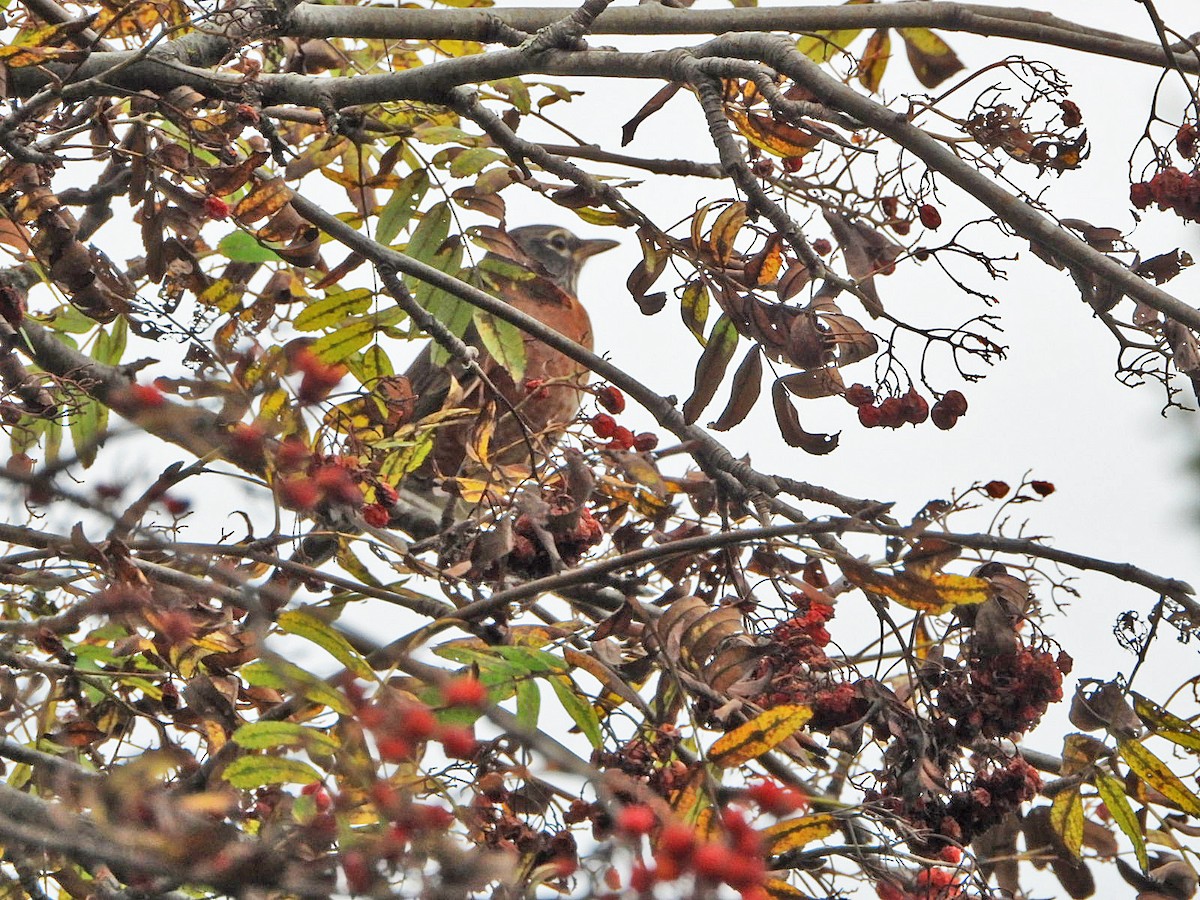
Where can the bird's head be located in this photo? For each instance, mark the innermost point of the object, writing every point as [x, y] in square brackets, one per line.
[560, 253]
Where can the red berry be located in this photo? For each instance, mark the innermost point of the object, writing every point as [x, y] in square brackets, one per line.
[1141, 195]
[677, 841]
[358, 872]
[176, 506]
[603, 425]
[952, 855]
[859, 394]
[916, 408]
[942, 417]
[891, 413]
[822, 247]
[930, 217]
[611, 399]
[792, 164]
[320, 796]
[712, 861]
[1042, 488]
[377, 515]
[890, 206]
[645, 441]
[417, 723]
[636, 821]
[299, 493]
[995, 489]
[216, 208]
[622, 439]
[642, 879]
[292, 454]
[868, 415]
[459, 743]
[336, 483]
[465, 690]
[395, 749]
[536, 388]
[775, 799]
[955, 402]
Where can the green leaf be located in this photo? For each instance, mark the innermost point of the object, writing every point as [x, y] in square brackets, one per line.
[694, 308]
[333, 309]
[1112, 792]
[722, 343]
[339, 344]
[504, 341]
[1066, 818]
[473, 160]
[529, 703]
[401, 205]
[86, 429]
[265, 735]
[535, 662]
[249, 772]
[324, 636]
[580, 710]
[429, 235]
[110, 344]
[281, 675]
[241, 246]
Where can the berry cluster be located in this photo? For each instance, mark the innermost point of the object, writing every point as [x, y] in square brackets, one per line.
[572, 535]
[619, 437]
[1002, 695]
[892, 412]
[1170, 189]
[402, 727]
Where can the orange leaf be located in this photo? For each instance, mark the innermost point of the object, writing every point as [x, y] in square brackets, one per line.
[766, 133]
[762, 733]
[935, 595]
[875, 60]
[266, 199]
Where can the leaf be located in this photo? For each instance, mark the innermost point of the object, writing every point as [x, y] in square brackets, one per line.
[337, 345]
[580, 710]
[399, 209]
[763, 267]
[822, 46]
[649, 108]
[795, 834]
[504, 341]
[725, 231]
[333, 309]
[429, 235]
[770, 134]
[790, 429]
[1155, 773]
[324, 636]
[694, 307]
[1066, 818]
[868, 253]
[814, 384]
[222, 295]
[249, 772]
[722, 342]
[761, 734]
[1165, 724]
[282, 675]
[242, 247]
[931, 58]
[264, 735]
[743, 394]
[646, 272]
[264, 200]
[529, 703]
[1112, 792]
[874, 60]
[936, 594]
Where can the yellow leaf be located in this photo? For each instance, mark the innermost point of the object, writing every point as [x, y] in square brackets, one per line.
[822, 46]
[797, 833]
[1155, 773]
[931, 58]
[1166, 724]
[766, 133]
[725, 230]
[1112, 792]
[1066, 818]
[875, 60]
[266, 199]
[781, 890]
[222, 295]
[936, 594]
[764, 732]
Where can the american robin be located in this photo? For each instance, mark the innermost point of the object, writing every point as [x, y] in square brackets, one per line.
[520, 420]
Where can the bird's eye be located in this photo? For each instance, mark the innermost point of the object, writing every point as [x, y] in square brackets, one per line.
[559, 242]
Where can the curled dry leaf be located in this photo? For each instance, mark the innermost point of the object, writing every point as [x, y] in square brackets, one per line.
[791, 430]
[868, 253]
[743, 394]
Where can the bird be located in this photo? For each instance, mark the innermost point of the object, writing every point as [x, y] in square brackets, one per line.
[526, 419]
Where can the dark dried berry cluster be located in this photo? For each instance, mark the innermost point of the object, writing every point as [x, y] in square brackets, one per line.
[892, 412]
[1002, 695]
[1170, 189]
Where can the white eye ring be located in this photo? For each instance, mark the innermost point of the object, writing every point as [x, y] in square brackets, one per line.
[558, 242]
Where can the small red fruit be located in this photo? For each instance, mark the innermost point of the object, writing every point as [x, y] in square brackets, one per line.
[712, 861]
[950, 854]
[677, 841]
[942, 417]
[465, 690]
[955, 402]
[635, 821]
[645, 441]
[916, 407]
[930, 217]
[216, 208]
[299, 493]
[611, 399]
[822, 247]
[995, 489]
[792, 164]
[1042, 488]
[603, 425]
[858, 395]
[418, 723]
[376, 515]
[143, 396]
[622, 439]
[891, 413]
[868, 415]
[459, 743]
[642, 879]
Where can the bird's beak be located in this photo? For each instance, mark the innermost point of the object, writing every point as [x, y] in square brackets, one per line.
[590, 248]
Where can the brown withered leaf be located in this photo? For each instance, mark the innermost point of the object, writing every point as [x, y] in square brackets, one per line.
[722, 342]
[789, 426]
[772, 135]
[264, 200]
[793, 281]
[853, 343]
[649, 108]
[874, 60]
[815, 383]
[1165, 266]
[868, 253]
[743, 394]
[227, 179]
[646, 272]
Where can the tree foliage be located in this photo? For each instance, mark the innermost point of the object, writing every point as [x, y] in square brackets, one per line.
[607, 670]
